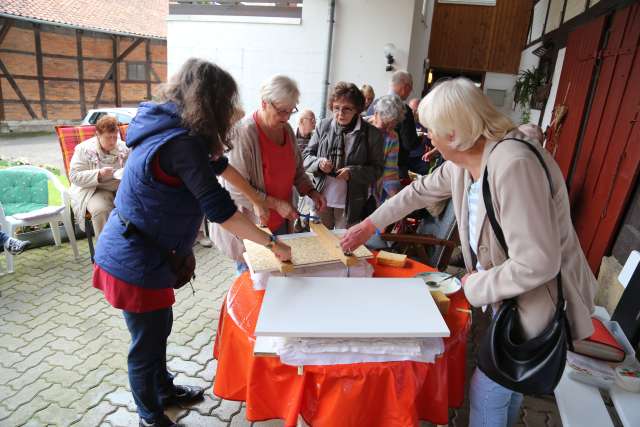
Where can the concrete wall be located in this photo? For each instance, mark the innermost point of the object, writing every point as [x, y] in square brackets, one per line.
[253, 51]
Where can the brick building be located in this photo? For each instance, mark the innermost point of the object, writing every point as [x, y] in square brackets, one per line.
[60, 59]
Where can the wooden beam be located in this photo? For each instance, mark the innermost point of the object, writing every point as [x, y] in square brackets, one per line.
[15, 87]
[6, 26]
[40, 68]
[114, 65]
[83, 101]
[1, 104]
[331, 244]
[147, 69]
[71, 79]
[116, 71]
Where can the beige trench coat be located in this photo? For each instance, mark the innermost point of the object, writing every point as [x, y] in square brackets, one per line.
[83, 172]
[537, 228]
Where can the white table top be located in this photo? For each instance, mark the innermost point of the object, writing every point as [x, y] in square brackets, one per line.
[349, 307]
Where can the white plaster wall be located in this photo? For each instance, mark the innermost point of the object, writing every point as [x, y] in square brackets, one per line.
[252, 52]
[362, 29]
[418, 49]
[505, 82]
[539, 15]
[557, 72]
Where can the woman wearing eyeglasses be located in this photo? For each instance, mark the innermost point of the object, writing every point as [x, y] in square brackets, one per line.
[266, 153]
[345, 156]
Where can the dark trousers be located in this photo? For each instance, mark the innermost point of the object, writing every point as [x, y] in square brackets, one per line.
[147, 360]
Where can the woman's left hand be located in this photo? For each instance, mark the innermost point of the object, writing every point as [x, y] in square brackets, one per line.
[262, 212]
[343, 173]
[319, 201]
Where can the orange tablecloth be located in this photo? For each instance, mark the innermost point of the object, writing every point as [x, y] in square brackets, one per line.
[363, 394]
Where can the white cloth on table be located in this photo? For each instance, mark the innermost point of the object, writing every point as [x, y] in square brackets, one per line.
[338, 351]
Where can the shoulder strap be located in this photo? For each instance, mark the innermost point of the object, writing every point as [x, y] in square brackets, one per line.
[486, 192]
[486, 195]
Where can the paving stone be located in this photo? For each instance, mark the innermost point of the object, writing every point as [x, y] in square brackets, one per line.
[65, 319]
[118, 378]
[185, 366]
[226, 409]
[203, 338]
[9, 358]
[122, 397]
[25, 378]
[181, 351]
[60, 395]
[205, 355]
[36, 344]
[11, 343]
[59, 375]
[176, 412]
[116, 360]
[123, 418]
[209, 371]
[67, 361]
[33, 360]
[93, 378]
[24, 413]
[240, 419]
[92, 397]
[194, 419]
[39, 331]
[17, 317]
[94, 416]
[66, 332]
[8, 374]
[25, 395]
[207, 405]
[57, 416]
[195, 381]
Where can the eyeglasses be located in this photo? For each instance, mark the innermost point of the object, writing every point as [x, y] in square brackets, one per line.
[284, 112]
[343, 110]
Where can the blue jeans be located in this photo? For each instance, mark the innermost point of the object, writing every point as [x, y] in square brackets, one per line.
[3, 237]
[492, 405]
[147, 360]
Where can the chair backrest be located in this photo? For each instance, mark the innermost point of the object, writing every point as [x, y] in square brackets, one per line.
[69, 136]
[23, 190]
[441, 227]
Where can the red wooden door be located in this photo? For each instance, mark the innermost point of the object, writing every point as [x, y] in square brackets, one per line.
[573, 89]
[608, 160]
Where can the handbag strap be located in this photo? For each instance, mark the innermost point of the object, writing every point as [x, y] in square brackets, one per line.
[497, 230]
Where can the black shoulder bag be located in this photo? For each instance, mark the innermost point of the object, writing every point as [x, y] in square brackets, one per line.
[532, 366]
[182, 266]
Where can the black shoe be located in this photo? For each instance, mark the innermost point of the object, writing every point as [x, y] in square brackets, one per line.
[184, 395]
[164, 421]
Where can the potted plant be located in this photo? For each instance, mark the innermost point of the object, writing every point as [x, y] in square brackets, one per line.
[526, 86]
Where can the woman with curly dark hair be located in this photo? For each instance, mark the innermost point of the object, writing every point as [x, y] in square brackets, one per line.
[345, 156]
[145, 250]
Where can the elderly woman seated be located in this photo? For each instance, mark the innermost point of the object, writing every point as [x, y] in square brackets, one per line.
[92, 169]
[387, 113]
[345, 156]
[265, 152]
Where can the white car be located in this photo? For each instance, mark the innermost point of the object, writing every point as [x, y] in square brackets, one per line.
[123, 115]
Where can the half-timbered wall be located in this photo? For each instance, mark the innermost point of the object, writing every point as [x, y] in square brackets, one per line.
[55, 73]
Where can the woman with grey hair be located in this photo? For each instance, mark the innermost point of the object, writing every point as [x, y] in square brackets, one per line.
[266, 154]
[387, 112]
[538, 253]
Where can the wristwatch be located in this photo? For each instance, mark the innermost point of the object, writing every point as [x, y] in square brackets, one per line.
[272, 241]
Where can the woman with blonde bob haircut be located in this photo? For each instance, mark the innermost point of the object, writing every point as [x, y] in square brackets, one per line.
[531, 207]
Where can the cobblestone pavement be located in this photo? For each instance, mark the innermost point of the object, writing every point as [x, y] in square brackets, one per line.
[63, 348]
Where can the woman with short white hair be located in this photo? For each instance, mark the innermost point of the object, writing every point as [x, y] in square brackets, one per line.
[519, 245]
[266, 154]
[387, 113]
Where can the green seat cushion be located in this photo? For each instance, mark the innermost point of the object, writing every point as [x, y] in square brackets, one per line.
[23, 191]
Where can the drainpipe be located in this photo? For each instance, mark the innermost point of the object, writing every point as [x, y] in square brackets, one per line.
[327, 67]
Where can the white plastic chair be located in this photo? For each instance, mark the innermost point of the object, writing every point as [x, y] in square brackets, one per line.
[49, 214]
